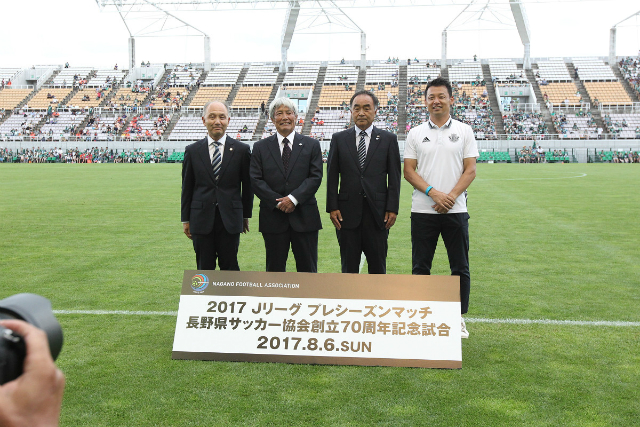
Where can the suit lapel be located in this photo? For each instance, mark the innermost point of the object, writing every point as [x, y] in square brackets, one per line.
[228, 154]
[352, 145]
[296, 148]
[374, 142]
[203, 151]
[272, 144]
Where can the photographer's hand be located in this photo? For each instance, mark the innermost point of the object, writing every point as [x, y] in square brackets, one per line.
[34, 398]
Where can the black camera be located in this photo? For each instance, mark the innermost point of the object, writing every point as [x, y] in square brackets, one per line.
[35, 310]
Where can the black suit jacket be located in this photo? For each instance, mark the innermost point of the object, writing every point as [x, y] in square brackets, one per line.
[200, 193]
[269, 182]
[379, 179]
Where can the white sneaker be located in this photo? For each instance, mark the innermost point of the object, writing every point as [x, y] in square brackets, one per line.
[463, 333]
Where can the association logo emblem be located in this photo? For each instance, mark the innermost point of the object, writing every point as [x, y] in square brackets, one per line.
[199, 283]
[454, 137]
[425, 139]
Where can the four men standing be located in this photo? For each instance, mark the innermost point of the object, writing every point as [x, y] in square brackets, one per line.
[363, 189]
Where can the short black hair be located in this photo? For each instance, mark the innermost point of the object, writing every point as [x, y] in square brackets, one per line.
[365, 92]
[439, 81]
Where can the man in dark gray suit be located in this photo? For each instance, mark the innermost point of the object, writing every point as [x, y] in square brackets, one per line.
[217, 199]
[365, 162]
[286, 171]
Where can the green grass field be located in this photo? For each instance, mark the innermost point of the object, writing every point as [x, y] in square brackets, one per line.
[548, 242]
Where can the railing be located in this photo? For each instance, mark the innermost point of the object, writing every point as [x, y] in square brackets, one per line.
[584, 106]
[18, 86]
[620, 108]
[523, 107]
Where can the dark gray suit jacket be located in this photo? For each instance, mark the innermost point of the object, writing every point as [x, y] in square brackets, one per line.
[269, 182]
[200, 193]
[379, 180]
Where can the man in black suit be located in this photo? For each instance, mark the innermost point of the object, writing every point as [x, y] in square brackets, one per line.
[286, 171]
[217, 199]
[365, 161]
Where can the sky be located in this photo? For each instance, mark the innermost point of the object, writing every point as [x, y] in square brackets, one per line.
[79, 32]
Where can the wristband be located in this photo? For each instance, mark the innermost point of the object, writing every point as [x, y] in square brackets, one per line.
[426, 192]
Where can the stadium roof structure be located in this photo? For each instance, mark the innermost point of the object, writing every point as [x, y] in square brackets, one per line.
[154, 18]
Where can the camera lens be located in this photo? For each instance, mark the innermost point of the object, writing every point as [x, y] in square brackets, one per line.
[35, 310]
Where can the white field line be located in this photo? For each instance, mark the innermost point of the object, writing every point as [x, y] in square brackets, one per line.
[467, 319]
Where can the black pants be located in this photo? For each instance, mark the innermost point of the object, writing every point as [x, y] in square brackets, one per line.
[218, 245]
[454, 228]
[367, 237]
[303, 244]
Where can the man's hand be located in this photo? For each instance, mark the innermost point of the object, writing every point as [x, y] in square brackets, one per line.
[389, 219]
[187, 232]
[245, 225]
[444, 201]
[336, 218]
[285, 204]
[35, 397]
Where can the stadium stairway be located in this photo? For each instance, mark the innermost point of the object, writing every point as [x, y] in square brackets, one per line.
[362, 73]
[172, 123]
[444, 73]
[237, 86]
[402, 102]
[315, 97]
[495, 106]
[263, 120]
[194, 89]
[50, 79]
[540, 98]
[625, 83]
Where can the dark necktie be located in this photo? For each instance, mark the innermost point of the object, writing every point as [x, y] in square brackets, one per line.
[216, 159]
[362, 149]
[286, 154]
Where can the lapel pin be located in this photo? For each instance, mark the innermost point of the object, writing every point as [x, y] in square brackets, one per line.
[378, 137]
[300, 143]
[230, 149]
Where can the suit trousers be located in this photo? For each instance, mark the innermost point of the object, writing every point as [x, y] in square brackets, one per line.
[367, 237]
[303, 244]
[218, 245]
[454, 228]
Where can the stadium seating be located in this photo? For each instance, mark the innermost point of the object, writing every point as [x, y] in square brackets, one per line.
[495, 156]
[608, 93]
[41, 102]
[334, 96]
[561, 93]
[223, 75]
[303, 74]
[252, 96]
[11, 98]
[209, 93]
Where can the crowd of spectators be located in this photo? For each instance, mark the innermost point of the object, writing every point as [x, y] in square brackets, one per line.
[524, 123]
[616, 127]
[564, 126]
[75, 155]
[474, 109]
[151, 130]
[533, 154]
[630, 69]
[619, 157]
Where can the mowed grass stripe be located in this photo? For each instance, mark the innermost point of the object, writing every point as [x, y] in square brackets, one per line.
[467, 319]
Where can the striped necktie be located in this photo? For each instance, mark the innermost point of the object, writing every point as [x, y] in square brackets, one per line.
[216, 159]
[362, 149]
[286, 154]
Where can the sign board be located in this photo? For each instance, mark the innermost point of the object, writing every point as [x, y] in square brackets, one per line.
[320, 318]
